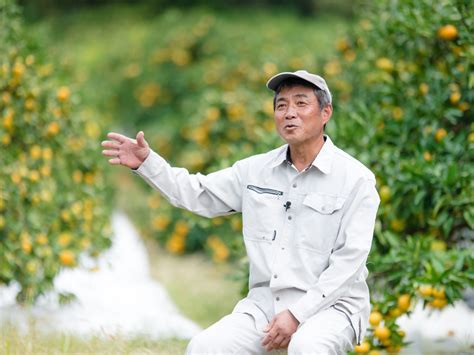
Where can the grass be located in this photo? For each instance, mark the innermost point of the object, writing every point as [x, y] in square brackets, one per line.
[14, 342]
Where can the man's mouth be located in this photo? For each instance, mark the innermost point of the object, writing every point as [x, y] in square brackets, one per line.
[290, 126]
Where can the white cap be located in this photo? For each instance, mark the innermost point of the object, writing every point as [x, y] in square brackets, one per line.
[314, 79]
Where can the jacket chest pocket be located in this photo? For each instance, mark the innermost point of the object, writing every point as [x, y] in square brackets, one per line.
[321, 216]
[261, 208]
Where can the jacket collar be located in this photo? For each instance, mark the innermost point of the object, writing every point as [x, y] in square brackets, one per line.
[325, 156]
[323, 160]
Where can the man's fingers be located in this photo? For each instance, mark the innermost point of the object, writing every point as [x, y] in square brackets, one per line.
[271, 333]
[284, 343]
[274, 343]
[110, 144]
[266, 340]
[141, 139]
[114, 161]
[269, 325]
[278, 340]
[117, 137]
[110, 153]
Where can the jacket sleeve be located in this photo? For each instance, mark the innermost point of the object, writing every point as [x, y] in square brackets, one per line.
[216, 194]
[350, 253]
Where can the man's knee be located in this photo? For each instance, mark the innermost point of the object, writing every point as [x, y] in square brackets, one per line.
[233, 334]
[196, 344]
[303, 344]
[206, 342]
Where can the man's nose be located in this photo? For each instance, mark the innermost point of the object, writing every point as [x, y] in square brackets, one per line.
[290, 113]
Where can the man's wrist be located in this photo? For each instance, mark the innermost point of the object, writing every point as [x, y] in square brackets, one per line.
[294, 317]
[145, 157]
[293, 309]
[142, 162]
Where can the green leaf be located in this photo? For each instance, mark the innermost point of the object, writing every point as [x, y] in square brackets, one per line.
[437, 266]
[469, 217]
[418, 197]
[451, 175]
[438, 205]
[458, 266]
[471, 80]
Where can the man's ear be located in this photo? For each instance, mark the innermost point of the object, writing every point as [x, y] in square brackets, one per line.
[326, 113]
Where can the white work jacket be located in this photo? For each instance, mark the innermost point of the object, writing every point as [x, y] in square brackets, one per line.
[307, 234]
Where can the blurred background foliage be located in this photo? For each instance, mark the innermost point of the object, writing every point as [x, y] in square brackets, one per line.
[193, 78]
[40, 8]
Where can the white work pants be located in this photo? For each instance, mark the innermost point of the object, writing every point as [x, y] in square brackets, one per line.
[327, 332]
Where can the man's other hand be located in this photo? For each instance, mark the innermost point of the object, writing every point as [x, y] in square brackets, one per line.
[126, 151]
[280, 330]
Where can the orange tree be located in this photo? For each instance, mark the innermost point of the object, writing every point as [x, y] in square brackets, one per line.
[53, 195]
[405, 92]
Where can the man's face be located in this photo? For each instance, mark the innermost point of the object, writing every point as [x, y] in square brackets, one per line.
[298, 119]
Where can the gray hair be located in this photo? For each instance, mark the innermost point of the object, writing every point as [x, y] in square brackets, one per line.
[321, 95]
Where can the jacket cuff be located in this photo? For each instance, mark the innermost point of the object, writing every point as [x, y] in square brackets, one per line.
[150, 165]
[307, 306]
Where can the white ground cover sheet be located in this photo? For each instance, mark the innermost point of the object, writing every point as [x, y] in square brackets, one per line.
[115, 296]
[450, 331]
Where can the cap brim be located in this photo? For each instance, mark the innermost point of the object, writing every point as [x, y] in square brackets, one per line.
[275, 80]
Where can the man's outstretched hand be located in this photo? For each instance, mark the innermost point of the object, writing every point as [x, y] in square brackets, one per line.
[126, 151]
[280, 330]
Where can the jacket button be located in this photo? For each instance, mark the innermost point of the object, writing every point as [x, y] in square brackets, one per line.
[289, 218]
[275, 276]
[295, 185]
[278, 298]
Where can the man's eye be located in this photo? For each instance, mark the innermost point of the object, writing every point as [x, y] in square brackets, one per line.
[301, 103]
[281, 106]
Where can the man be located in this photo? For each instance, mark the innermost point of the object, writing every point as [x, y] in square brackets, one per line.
[308, 212]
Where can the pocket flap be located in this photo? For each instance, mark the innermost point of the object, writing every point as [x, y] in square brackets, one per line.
[325, 204]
